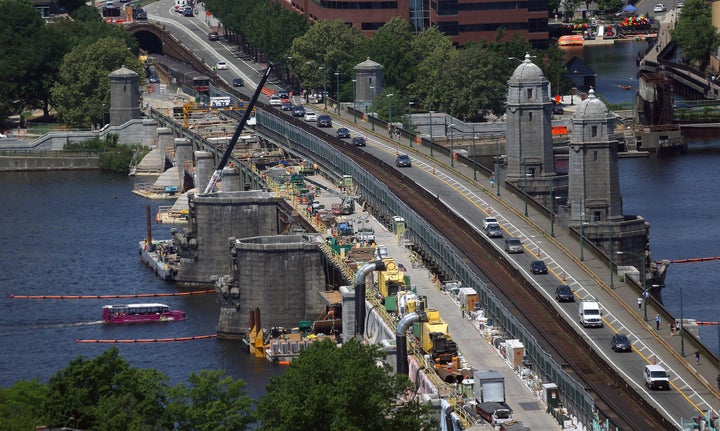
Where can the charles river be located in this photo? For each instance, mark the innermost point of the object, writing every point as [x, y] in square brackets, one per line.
[77, 233]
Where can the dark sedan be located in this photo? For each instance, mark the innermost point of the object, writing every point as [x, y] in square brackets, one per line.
[238, 82]
[343, 133]
[324, 120]
[286, 106]
[403, 161]
[620, 343]
[359, 141]
[563, 293]
[298, 111]
[538, 267]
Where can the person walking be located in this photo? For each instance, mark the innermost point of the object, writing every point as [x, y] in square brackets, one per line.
[640, 301]
[672, 329]
[697, 357]
[657, 322]
[462, 310]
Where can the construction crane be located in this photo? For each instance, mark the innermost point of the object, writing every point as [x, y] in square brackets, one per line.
[218, 171]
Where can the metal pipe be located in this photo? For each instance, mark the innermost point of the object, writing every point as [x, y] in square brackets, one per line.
[359, 284]
[401, 340]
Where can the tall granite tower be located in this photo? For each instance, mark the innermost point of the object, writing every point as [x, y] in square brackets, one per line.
[529, 128]
[594, 193]
[124, 96]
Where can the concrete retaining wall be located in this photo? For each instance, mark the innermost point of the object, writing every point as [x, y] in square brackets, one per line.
[25, 163]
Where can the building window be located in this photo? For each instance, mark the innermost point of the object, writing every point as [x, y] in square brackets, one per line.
[595, 156]
[593, 131]
[530, 116]
[529, 93]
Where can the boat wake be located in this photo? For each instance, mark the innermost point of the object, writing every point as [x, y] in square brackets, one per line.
[50, 325]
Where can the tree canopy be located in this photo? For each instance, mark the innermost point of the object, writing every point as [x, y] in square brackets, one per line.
[695, 34]
[340, 388]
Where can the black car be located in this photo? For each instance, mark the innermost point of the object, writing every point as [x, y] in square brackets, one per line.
[298, 111]
[324, 120]
[620, 343]
[213, 35]
[558, 110]
[563, 293]
[343, 133]
[286, 106]
[403, 161]
[284, 94]
[188, 11]
[538, 267]
[359, 141]
[238, 82]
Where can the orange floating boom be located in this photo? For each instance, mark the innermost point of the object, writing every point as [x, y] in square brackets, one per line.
[132, 295]
[148, 340]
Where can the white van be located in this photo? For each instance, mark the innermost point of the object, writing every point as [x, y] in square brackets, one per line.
[590, 315]
[656, 377]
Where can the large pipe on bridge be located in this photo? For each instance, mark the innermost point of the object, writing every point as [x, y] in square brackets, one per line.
[359, 285]
[401, 339]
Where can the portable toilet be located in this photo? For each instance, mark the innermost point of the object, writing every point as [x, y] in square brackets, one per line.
[398, 225]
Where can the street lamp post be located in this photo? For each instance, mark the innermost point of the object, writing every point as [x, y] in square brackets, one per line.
[474, 157]
[337, 90]
[389, 98]
[431, 136]
[324, 69]
[525, 185]
[497, 165]
[552, 208]
[410, 131]
[612, 281]
[452, 144]
[354, 81]
[682, 325]
[372, 119]
[644, 284]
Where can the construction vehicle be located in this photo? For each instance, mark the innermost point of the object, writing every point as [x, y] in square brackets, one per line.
[390, 282]
[435, 339]
[345, 207]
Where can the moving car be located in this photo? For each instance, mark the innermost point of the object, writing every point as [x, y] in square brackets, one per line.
[488, 221]
[563, 293]
[403, 161]
[656, 377]
[310, 116]
[513, 245]
[494, 231]
[213, 35]
[659, 8]
[238, 82]
[343, 133]
[324, 120]
[298, 111]
[284, 94]
[359, 141]
[188, 11]
[620, 343]
[221, 65]
[538, 267]
[275, 101]
[286, 106]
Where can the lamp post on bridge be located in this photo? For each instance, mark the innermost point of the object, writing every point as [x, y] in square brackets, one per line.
[474, 156]
[354, 81]
[431, 135]
[337, 90]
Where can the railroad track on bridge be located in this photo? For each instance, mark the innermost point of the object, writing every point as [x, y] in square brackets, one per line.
[614, 399]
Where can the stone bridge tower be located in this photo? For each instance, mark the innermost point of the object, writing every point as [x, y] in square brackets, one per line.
[529, 127]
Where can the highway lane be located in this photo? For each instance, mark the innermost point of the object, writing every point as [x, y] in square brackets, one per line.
[474, 203]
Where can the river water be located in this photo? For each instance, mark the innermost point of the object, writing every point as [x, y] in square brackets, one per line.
[76, 233]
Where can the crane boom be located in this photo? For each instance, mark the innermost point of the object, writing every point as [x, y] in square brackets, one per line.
[218, 171]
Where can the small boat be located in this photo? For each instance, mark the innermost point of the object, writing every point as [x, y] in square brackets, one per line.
[571, 40]
[140, 313]
[625, 87]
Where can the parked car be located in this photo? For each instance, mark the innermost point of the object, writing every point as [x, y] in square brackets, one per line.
[238, 82]
[139, 13]
[221, 65]
[494, 231]
[359, 141]
[286, 106]
[563, 293]
[275, 101]
[343, 133]
[298, 111]
[324, 120]
[403, 161]
[213, 35]
[310, 116]
[620, 343]
[538, 267]
[659, 8]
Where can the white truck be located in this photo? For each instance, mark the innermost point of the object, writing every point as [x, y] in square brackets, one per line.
[489, 221]
[590, 314]
[489, 391]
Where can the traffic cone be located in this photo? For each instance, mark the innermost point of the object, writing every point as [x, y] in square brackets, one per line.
[538, 253]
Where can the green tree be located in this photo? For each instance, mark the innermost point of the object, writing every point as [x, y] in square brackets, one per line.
[391, 47]
[211, 403]
[82, 93]
[21, 406]
[328, 43]
[20, 22]
[695, 34]
[340, 388]
[571, 6]
[434, 49]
